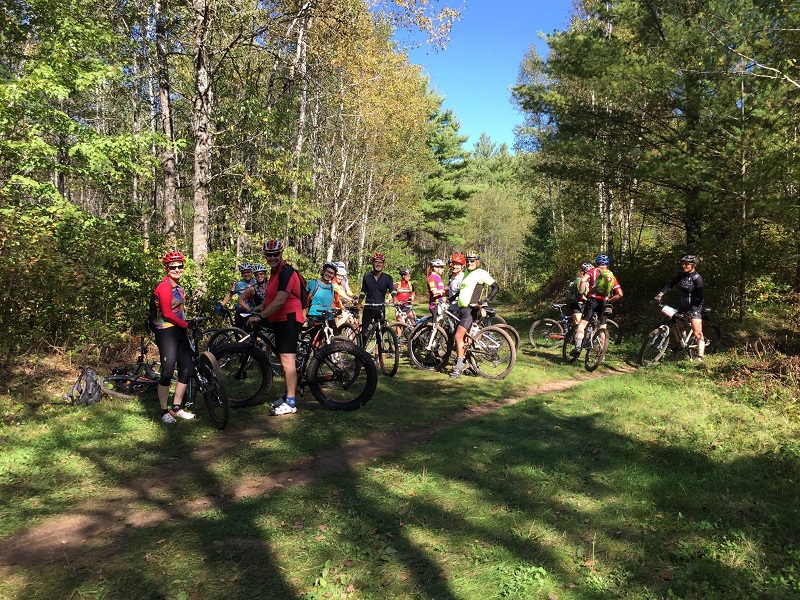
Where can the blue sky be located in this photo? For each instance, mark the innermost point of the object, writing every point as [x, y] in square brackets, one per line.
[482, 61]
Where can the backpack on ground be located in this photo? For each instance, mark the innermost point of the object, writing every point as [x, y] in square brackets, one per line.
[605, 282]
[86, 390]
[571, 291]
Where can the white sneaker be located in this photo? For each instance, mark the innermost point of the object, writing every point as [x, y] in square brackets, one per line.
[168, 418]
[182, 414]
[283, 409]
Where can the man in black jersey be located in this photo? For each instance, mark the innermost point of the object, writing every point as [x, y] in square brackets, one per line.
[374, 287]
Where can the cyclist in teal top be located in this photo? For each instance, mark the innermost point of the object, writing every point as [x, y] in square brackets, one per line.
[469, 300]
[321, 291]
[247, 280]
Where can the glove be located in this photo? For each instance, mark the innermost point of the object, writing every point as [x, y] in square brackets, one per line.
[484, 304]
[218, 308]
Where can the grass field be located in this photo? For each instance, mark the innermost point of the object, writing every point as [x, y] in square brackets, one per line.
[657, 483]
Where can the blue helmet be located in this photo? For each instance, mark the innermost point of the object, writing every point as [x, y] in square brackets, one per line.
[602, 259]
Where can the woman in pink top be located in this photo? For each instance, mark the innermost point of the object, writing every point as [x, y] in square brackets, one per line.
[436, 288]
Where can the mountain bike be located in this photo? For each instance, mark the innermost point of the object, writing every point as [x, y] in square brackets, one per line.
[595, 342]
[404, 323]
[490, 351]
[549, 333]
[677, 327]
[339, 374]
[141, 380]
[381, 340]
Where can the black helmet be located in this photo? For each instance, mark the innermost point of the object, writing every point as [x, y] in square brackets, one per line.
[690, 258]
[329, 265]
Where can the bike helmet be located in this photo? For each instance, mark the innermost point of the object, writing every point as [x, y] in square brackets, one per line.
[437, 262]
[329, 265]
[340, 265]
[273, 246]
[341, 271]
[690, 258]
[471, 255]
[259, 268]
[173, 256]
[405, 271]
[586, 267]
[378, 256]
[458, 259]
[246, 266]
[602, 259]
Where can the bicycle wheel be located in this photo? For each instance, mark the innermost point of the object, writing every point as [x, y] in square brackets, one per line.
[546, 333]
[490, 320]
[227, 335]
[567, 345]
[342, 376]
[614, 333]
[493, 353]
[404, 333]
[512, 333]
[246, 372]
[212, 387]
[653, 347]
[348, 331]
[596, 353]
[129, 387]
[388, 351]
[429, 347]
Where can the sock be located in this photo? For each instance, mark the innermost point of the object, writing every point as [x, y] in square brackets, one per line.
[459, 364]
[578, 341]
[176, 407]
[290, 400]
[164, 411]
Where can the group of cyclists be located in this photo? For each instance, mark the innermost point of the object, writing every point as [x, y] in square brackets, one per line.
[272, 292]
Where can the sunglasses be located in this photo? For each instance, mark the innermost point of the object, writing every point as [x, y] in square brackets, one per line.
[175, 268]
[272, 255]
[471, 262]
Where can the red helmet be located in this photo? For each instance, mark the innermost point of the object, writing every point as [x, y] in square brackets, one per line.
[172, 256]
[378, 256]
[273, 246]
[458, 259]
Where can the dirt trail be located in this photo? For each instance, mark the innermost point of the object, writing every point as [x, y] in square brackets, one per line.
[96, 528]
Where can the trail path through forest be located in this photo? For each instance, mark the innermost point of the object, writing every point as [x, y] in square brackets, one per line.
[96, 528]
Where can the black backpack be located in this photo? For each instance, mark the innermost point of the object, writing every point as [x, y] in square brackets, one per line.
[86, 390]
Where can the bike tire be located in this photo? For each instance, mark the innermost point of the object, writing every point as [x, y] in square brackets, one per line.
[439, 355]
[247, 373]
[348, 331]
[653, 347]
[614, 332]
[404, 335]
[215, 396]
[495, 319]
[129, 387]
[512, 333]
[596, 353]
[342, 376]
[388, 351]
[493, 352]
[713, 337]
[546, 333]
[567, 345]
[226, 335]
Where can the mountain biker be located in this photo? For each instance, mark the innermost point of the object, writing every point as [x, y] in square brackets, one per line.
[457, 263]
[405, 293]
[343, 293]
[692, 298]
[436, 289]
[171, 330]
[374, 287]
[575, 304]
[322, 291]
[284, 310]
[246, 272]
[469, 303]
[256, 293]
[603, 287]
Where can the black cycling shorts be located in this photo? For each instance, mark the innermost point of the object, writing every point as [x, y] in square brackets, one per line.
[594, 306]
[466, 316]
[174, 348]
[286, 334]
